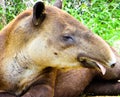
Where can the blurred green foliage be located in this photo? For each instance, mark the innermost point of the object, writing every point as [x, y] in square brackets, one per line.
[101, 16]
[13, 7]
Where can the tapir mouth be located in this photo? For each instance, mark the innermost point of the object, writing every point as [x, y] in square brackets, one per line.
[90, 63]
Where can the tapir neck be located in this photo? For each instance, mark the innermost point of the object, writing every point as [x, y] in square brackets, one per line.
[16, 71]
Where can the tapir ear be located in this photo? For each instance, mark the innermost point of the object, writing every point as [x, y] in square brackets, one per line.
[38, 13]
[58, 4]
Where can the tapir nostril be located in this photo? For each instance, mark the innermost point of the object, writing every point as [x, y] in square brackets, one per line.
[113, 65]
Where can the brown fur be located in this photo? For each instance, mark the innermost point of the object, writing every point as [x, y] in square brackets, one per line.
[34, 49]
[73, 82]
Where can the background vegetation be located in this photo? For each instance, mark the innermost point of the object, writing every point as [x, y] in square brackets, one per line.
[101, 16]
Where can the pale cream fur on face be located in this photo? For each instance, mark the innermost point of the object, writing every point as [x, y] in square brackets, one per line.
[43, 55]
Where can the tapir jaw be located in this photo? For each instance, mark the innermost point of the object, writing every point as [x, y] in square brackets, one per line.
[90, 63]
[93, 63]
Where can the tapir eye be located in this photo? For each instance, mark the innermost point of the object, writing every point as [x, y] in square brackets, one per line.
[69, 39]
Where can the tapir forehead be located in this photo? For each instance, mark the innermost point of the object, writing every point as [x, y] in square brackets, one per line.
[61, 17]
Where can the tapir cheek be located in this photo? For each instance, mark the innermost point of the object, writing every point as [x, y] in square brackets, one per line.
[36, 48]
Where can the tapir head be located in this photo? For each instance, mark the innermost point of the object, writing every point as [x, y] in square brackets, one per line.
[66, 42]
[50, 37]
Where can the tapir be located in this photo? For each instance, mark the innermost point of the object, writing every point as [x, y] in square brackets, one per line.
[43, 44]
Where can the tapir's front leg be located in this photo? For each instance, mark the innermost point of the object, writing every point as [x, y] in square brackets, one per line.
[4, 94]
[43, 87]
[103, 88]
[40, 91]
[71, 83]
